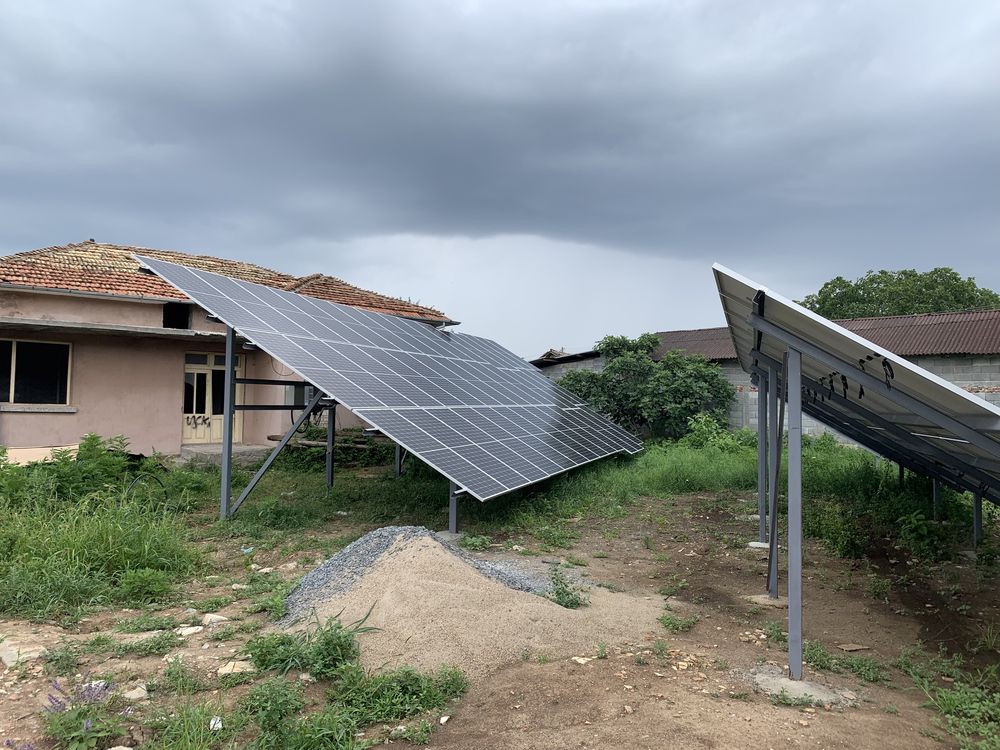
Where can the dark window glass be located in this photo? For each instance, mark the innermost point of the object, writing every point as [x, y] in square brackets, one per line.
[41, 373]
[196, 359]
[200, 389]
[218, 390]
[176, 315]
[189, 393]
[6, 347]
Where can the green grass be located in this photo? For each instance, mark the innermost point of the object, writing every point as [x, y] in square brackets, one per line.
[678, 623]
[212, 603]
[864, 668]
[146, 622]
[177, 678]
[564, 593]
[775, 633]
[394, 695]
[783, 698]
[320, 650]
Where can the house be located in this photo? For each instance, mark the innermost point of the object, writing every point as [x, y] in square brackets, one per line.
[963, 347]
[88, 343]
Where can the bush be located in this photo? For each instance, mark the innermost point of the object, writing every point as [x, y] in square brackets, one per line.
[652, 398]
[564, 593]
[391, 696]
[320, 651]
[270, 704]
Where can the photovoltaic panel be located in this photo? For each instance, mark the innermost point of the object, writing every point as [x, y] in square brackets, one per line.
[479, 414]
[866, 392]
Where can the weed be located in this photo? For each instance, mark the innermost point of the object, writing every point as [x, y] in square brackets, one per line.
[660, 648]
[774, 633]
[602, 650]
[177, 678]
[816, 656]
[394, 695]
[271, 704]
[600, 554]
[212, 603]
[891, 709]
[675, 584]
[319, 651]
[865, 668]
[62, 660]
[721, 665]
[647, 542]
[640, 660]
[228, 632]
[474, 542]
[146, 622]
[564, 593]
[677, 623]
[784, 698]
[190, 726]
[577, 561]
[987, 640]
[615, 588]
[878, 588]
[84, 716]
[155, 645]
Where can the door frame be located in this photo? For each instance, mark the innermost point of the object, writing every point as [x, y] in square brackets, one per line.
[212, 360]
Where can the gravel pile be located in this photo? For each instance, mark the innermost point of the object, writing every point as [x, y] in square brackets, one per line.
[342, 572]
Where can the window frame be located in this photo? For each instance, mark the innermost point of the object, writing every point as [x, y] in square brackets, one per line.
[13, 371]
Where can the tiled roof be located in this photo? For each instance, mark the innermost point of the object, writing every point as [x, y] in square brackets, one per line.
[101, 268]
[950, 333]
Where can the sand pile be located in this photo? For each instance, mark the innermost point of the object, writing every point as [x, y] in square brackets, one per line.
[433, 607]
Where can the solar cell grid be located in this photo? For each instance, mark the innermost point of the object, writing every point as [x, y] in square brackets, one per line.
[474, 411]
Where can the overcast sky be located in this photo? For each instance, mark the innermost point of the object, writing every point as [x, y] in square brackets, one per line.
[545, 171]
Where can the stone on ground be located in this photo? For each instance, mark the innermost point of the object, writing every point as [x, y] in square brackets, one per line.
[772, 680]
[13, 654]
[138, 693]
[213, 619]
[763, 600]
[236, 667]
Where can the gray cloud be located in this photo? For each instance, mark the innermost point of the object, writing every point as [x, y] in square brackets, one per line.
[838, 136]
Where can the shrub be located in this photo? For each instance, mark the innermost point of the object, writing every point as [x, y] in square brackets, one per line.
[271, 703]
[319, 651]
[654, 398]
[564, 593]
[391, 696]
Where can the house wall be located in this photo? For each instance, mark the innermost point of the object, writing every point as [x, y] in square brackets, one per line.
[81, 309]
[125, 385]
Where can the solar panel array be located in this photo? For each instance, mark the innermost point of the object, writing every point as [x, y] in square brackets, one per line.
[867, 393]
[477, 413]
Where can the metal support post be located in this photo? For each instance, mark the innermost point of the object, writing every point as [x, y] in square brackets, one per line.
[331, 431]
[277, 449]
[794, 383]
[936, 485]
[774, 455]
[977, 518]
[228, 402]
[399, 460]
[453, 508]
[762, 387]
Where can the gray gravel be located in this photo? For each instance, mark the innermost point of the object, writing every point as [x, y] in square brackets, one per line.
[342, 572]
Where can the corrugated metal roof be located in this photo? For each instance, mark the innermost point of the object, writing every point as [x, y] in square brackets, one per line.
[952, 333]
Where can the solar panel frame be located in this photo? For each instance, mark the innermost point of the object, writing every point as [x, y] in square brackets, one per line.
[940, 429]
[426, 389]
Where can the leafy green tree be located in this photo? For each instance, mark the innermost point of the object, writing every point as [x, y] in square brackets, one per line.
[902, 292]
[655, 398]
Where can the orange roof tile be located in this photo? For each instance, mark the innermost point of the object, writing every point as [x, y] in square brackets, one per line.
[102, 268]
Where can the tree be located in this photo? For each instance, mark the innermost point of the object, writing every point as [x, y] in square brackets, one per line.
[649, 397]
[902, 292]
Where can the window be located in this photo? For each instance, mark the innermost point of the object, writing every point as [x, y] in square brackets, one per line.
[176, 315]
[34, 372]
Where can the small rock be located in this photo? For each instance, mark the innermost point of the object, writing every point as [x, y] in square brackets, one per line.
[121, 747]
[289, 566]
[138, 693]
[213, 619]
[443, 720]
[236, 667]
[12, 654]
[849, 647]
[306, 678]
[215, 724]
[189, 630]
[849, 695]
[239, 586]
[629, 709]
[803, 723]
[265, 571]
[399, 731]
[581, 659]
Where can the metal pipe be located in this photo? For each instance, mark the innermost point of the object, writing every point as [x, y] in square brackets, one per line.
[762, 386]
[399, 460]
[794, 383]
[277, 449]
[774, 453]
[453, 508]
[331, 429]
[977, 518]
[228, 402]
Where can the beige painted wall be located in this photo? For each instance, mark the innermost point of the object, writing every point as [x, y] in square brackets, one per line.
[80, 309]
[134, 387]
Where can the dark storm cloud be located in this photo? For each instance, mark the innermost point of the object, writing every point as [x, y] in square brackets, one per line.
[831, 131]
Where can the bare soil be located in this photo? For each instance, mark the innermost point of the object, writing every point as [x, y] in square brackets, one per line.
[654, 688]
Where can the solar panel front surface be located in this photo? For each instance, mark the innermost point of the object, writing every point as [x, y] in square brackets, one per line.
[476, 412]
[907, 413]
